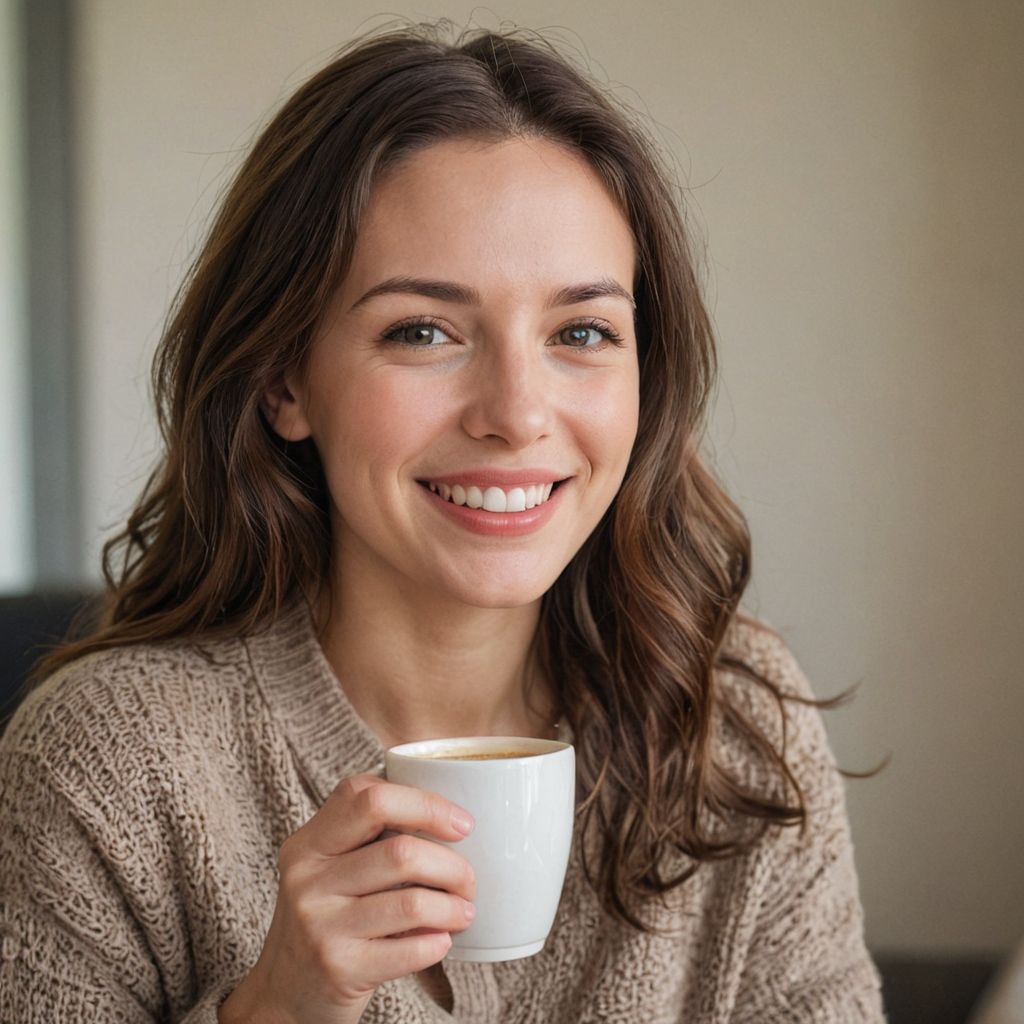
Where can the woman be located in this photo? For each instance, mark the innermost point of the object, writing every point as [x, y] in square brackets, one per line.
[432, 398]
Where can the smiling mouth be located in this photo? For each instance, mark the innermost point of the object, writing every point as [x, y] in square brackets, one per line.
[495, 499]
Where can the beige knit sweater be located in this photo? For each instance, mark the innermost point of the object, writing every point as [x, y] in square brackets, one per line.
[144, 793]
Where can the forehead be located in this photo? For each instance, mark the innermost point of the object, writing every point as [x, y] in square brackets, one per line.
[492, 214]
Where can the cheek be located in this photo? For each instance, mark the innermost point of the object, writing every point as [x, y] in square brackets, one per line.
[610, 415]
[379, 421]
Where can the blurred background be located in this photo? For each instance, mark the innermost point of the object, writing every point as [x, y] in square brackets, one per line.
[851, 174]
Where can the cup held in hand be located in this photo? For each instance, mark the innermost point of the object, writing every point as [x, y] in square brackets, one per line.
[521, 792]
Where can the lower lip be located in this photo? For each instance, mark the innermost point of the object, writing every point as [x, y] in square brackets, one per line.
[498, 524]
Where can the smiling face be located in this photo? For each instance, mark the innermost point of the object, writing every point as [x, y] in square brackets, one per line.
[500, 365]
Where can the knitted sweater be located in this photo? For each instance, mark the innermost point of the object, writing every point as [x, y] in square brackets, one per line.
[145, 792]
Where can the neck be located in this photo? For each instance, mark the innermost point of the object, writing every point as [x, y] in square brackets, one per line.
[416, 668]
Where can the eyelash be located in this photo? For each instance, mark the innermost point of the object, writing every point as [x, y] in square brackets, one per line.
[611, 336]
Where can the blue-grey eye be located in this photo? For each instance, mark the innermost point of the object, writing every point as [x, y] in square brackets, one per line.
[579, 336]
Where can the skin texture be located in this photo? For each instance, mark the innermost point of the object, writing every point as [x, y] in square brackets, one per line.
[429, 623]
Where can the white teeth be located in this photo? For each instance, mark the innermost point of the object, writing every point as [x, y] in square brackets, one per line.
[495, 499]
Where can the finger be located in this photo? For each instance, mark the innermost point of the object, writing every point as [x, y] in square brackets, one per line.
[358, 811]
[296, 847]
[387, 959]
[361, 782]
[403, 911]
[401, 860]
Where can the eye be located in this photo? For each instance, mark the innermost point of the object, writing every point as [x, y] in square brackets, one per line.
[415, 333]
[579, 334]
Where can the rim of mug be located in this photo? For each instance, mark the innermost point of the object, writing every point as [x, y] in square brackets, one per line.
[417, 750]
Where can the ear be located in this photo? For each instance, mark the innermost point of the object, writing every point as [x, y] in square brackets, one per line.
[285, 411]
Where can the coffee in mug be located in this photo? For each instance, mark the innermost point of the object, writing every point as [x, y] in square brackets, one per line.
[481, 755]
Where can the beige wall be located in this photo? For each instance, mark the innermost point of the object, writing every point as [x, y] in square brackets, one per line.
[854, 173]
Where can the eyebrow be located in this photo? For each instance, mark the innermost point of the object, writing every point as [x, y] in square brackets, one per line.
[449, 291]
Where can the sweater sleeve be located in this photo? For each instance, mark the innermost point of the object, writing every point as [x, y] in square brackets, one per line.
[83, 896]
[806, 959]
[69, 948]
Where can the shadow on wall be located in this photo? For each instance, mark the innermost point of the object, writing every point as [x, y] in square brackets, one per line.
[30, 624]
[933, 990]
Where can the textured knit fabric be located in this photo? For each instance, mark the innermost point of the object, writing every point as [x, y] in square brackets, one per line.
[145, 792]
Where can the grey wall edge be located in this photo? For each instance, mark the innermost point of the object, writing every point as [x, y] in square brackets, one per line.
[54, 359]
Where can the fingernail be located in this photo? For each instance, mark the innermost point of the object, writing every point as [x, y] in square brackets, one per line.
[462, 822]
[470, 911]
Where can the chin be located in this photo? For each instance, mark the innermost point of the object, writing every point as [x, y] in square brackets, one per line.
[499, 595]
[495, 580]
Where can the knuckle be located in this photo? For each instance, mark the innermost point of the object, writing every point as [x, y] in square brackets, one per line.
[436, 810]
[410, 902]
[337, 956]
[348, 789]
[306, 916]
[326, 957]
[373, 802]
[402, 850]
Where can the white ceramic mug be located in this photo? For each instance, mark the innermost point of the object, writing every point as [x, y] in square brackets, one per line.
[523, 807]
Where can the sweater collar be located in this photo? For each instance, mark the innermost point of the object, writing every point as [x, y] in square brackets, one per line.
[328, 738]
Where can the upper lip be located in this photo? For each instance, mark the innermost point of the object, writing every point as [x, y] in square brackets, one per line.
[497, 477]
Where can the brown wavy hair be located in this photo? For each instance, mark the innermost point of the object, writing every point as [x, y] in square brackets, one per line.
[233, 523]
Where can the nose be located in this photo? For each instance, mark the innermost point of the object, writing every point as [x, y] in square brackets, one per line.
[510, 397]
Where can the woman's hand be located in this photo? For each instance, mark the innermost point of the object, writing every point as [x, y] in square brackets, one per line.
[351, 912]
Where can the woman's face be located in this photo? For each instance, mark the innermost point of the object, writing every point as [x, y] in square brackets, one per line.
[456, 354]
